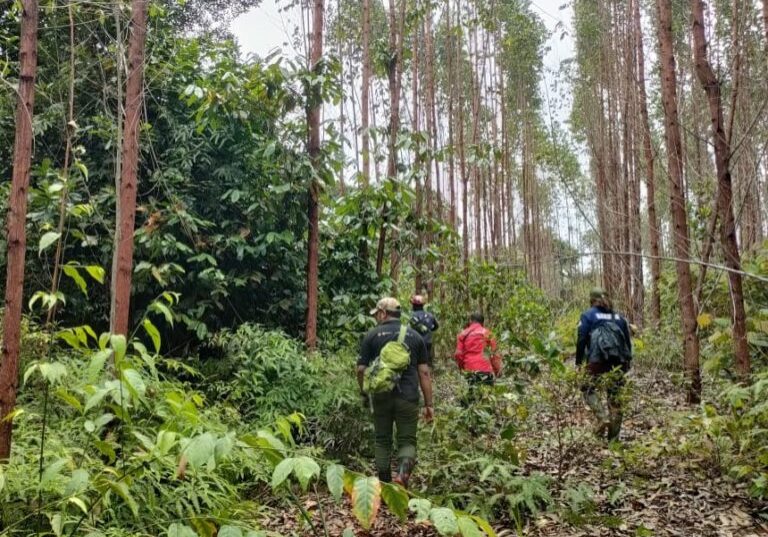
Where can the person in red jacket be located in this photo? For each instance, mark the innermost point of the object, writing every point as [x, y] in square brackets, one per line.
[476, 353]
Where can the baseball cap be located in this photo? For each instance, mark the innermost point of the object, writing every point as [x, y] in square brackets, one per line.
[597, 292]
[417, 300]
[388, 304]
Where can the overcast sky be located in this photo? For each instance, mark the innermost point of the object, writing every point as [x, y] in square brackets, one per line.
[265, 28]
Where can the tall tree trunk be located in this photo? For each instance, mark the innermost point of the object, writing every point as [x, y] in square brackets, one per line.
[314, 106]
[366, 89]
[17, 217]
[134, 93]
[394, 75]
[677, 200]
[711, 86]
[654, 233]
[765, 21]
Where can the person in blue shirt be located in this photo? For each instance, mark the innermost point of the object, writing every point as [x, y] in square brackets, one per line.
[604, 344]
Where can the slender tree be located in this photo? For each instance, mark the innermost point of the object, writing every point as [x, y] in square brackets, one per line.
[17, 216]
[677, 199]
[654, 233]
[722, 146]
[365, 93]
[314, 102]
[134, 94]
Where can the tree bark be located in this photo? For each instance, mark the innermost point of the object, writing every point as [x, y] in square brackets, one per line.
[654, 234]
[677, 200]
[711, 86]
[134, 93]
[17, 216]
[314, 106]
[365, 96]
[394, 76]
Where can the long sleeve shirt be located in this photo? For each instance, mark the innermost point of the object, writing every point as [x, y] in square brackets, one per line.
[591, 319]
[472, 345]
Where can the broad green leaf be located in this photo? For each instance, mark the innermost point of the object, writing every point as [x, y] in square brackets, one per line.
[469, 528]
[366, 499]
[200, 449]
[484, 525]
[52, 471]
[421, 507]
[96, 364]
[348, 532]
[224, 446]
[282, 471]
[119, 345]
[153, 333]
[396, 499]
[164, 310]
[80, 503]
[135, 383]
[74, 274]
[2, 478]
[444, 520]
[165, 441]
[77, 483]
[269, 446]
[53, 372]
[334, 476]
[180, 530]
[57, 524]
[96, 272]
[122, 490]
[230, 531]
[48, 239]
[305, 469]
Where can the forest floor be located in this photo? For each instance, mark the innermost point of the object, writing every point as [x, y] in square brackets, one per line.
[647, 484]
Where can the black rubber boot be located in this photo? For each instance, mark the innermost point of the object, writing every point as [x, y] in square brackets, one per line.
[385, 477]
[404, 472]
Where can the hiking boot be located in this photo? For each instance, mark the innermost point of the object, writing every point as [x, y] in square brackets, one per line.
[614, 427]
[601, 429]
[404, 472]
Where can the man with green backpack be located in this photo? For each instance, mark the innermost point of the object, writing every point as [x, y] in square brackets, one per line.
[392, 367]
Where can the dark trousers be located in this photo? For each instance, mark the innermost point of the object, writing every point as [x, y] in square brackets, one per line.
[477, 381]
[391, 411]
[609, 377]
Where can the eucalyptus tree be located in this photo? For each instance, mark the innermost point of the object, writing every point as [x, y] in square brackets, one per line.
[314, 107]
[17, 217]
[122, 267]
[722, 147]
[680, 238]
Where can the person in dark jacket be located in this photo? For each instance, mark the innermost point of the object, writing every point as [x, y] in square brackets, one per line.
[424, 322]
[400, 407]
[604, 371]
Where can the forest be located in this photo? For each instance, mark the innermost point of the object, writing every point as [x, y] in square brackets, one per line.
[195, 237]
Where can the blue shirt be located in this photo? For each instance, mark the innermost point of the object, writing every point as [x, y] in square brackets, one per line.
[591, 319]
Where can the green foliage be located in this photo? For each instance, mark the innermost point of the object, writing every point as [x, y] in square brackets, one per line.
[733, 433]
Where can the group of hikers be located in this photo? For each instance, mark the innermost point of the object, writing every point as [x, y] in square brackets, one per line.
[396, 359]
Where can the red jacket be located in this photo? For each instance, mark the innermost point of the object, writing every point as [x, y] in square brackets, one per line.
[471, 347]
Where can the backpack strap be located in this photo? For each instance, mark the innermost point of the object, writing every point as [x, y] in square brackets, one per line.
[403, 332]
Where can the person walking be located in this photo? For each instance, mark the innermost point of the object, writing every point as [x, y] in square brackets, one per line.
[604, 343]
[424, 322]
[391, 369]
[476, 355]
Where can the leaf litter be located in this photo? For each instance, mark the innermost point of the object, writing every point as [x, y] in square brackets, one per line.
[641, 486]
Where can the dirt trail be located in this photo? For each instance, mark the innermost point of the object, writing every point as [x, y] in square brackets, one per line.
[639, 487]
[642, 487]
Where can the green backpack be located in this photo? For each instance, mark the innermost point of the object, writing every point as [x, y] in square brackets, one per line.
[383, 374]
